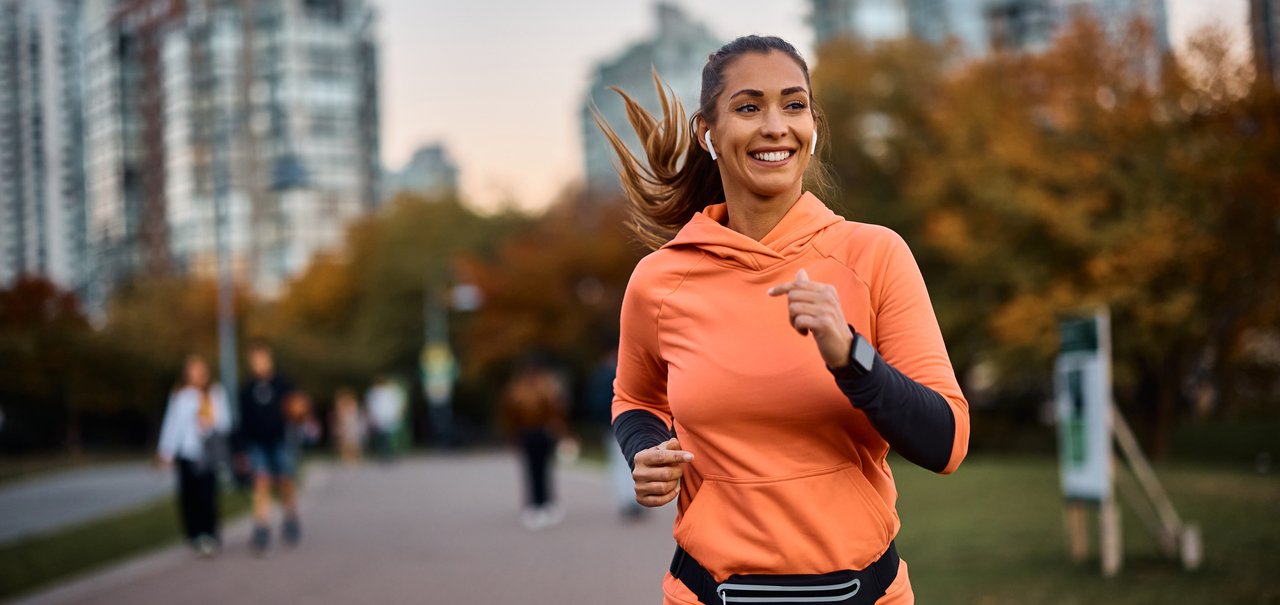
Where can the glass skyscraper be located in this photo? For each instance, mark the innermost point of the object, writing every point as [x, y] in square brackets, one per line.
[267, 107]
[42, 201]
[677, 51]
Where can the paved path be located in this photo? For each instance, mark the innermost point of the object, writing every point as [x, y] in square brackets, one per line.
[427, 530]
[49, 502]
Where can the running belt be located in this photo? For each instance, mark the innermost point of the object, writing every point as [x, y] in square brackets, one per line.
[849, 587]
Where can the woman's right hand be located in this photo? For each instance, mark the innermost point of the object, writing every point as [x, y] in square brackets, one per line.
[658, 471]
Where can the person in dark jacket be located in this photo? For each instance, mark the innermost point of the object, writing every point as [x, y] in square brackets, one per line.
[532, 414]
[270, 456]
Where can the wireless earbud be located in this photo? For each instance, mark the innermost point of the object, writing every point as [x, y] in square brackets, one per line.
[707, 139]
[813, 143]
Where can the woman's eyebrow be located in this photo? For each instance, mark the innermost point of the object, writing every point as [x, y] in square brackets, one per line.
[748, 92]
[751, 92]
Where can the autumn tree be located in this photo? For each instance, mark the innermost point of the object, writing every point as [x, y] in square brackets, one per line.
[1034, 186]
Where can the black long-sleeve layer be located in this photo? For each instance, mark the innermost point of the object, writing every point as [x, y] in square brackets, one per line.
[914, 419]
[638, 430]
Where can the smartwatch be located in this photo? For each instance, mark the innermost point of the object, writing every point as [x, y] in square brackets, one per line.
[862, 356]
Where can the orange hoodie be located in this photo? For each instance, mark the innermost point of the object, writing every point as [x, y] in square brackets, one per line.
[788, 477]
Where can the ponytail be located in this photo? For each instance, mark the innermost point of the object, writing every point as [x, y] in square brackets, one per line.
[679, 179]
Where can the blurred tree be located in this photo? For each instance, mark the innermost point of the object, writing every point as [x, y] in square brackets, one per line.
[1037, 185]
[41, 328]
[360, 312]
[556, 287]
[135, 360]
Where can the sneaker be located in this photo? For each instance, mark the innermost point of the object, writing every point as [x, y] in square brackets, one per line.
[533, 519]
[553, 514]
[206, 545]
[292, 531]
[261, 540]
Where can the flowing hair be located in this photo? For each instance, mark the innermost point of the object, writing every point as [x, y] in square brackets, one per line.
[680, 178]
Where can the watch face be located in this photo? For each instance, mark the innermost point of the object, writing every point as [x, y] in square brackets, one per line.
[863, 354]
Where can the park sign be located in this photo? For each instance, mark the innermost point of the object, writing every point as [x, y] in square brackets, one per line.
[1082, 398]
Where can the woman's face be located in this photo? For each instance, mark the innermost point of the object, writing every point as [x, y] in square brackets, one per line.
[197, 373]
[763, 126]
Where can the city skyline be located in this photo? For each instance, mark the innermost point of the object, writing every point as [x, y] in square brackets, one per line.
[504, 97]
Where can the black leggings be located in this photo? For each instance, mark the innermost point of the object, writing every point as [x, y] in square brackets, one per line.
[537, 445]
[197, 500]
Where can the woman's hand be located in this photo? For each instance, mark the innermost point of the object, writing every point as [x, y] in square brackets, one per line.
[814, 308]
[658, 471]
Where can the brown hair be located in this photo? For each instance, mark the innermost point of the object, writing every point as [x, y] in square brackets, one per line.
[680, 178]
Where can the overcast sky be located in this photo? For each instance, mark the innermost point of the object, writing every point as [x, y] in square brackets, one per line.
[501, 82]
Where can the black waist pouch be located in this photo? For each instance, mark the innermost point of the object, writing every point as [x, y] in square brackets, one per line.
[849, 587]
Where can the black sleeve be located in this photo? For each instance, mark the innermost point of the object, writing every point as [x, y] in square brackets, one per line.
[638, 430]
[913, 418]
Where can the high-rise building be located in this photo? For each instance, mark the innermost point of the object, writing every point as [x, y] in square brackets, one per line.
[677, 51]
[265, 108]
[872, 21]
[1264, 25]
[863, 20]
[980, 26]
[1020, 25]
[42, 201]
[429, 172]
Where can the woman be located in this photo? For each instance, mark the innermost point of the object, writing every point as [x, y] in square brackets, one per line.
[348, 426]
[771, 352]
[195, 424]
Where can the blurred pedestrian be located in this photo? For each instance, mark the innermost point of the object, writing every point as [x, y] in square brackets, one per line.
[348, 424]
[271, 457]
[301, 429]
[532, 415]
[599, 405]
[192, 438]
[386, 403]
[769, 411]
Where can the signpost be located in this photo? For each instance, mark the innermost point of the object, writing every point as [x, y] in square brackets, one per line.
[1082, 385]
[1088, 421]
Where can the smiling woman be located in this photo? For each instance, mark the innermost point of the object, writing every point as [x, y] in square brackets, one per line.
[748, 333]
[681, 177]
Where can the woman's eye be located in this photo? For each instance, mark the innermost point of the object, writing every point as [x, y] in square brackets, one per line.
[748, 108]
[796, 105]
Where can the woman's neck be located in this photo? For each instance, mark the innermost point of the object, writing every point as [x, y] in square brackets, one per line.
[755, 216]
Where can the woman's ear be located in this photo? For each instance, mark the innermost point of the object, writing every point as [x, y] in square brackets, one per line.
[703, 133]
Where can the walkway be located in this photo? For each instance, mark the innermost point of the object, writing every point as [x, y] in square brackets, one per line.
[48, 502]
[426, 530]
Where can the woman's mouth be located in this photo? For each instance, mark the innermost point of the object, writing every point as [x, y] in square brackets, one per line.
[773, 157]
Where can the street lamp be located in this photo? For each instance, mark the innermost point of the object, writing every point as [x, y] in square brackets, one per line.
[438, 363]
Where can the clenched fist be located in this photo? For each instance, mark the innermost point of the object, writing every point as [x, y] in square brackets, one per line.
[658, 471]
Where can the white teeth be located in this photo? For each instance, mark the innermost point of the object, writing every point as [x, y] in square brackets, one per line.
[772, 156]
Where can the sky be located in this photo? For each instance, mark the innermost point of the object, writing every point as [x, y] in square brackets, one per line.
[501, 82]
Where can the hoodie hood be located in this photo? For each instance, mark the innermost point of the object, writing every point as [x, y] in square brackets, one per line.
[706, 231]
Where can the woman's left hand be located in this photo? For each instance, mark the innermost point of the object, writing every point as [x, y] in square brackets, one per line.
[814, 308]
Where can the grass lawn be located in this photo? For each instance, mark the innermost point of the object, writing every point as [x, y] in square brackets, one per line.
[33, 562]
[992, 534]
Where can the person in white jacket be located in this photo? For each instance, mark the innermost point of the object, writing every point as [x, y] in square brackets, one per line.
[192, 439]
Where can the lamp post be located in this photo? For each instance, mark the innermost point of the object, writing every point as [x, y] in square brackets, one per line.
[226, 287]
[438, 363]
